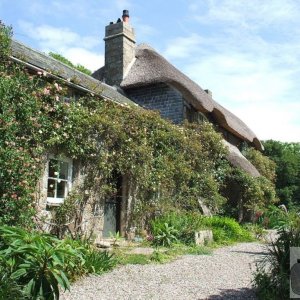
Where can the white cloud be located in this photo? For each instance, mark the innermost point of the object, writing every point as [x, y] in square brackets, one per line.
[78, 49]
[81, 56]
[52, 37]
[272, 120]
[183, 47]
[237, 77]
[251, 14]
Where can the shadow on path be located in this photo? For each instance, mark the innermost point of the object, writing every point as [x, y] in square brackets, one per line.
[240, 294]
[250, 252]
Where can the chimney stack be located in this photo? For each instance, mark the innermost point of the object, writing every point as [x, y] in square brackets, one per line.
[119, 49]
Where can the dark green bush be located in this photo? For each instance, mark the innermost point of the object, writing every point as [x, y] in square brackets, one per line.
[9, 286]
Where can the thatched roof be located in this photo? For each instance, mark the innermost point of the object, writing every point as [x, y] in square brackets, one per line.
[237, 159]
[150, 67]
[36, 60]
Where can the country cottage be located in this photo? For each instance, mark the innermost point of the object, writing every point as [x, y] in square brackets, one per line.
[134, 76]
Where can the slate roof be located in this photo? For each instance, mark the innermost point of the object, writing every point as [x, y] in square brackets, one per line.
[40, 61]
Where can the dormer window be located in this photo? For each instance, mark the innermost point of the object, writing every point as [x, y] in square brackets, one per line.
[59, 180]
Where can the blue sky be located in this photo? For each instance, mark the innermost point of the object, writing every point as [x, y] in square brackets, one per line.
[246, 52]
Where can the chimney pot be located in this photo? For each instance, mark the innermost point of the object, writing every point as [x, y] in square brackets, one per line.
[125, 15]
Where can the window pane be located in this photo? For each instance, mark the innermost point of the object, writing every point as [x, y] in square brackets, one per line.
[51, 188]
[61, 189]
[63, 170]
[53, 168]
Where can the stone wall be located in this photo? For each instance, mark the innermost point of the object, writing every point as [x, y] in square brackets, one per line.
[161, 97]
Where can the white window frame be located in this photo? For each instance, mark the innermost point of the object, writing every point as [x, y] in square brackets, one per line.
[56, 201]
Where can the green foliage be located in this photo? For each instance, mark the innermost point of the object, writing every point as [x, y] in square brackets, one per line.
[134, 259]
[272, 275]
[287, 159]
[272, 217]
[257, 230]
[262, 163]
[164, 234]
[88, 259]
[98, 262]
[9, 286]
[36, 261]
[69, 63]
[35, 264]
[184, 225]
[5, 38]
[227, 230]
[251, 194]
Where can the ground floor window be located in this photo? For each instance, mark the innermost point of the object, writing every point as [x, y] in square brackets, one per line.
[59, 180]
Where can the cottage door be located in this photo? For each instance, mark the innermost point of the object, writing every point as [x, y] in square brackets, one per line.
[112, 211]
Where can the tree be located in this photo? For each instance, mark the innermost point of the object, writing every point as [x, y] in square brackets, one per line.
[67, 62]
[287, 159]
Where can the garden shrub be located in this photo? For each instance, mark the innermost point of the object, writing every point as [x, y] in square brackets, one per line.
[273, 217]
[36, 264]
[247, 195]
[94, 261]
[37, 261]
[184, 225]
[164, 234]
[226, 230]
[265, 166]
[272, 278]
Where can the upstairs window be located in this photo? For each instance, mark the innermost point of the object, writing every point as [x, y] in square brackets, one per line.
[59, 180]
[194, 116]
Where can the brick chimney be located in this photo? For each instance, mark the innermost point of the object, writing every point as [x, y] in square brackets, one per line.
[119, 49]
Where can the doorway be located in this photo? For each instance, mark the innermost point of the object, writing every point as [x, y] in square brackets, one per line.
[112, 210]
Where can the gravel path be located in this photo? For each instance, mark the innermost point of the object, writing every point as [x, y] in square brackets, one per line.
[226, 274]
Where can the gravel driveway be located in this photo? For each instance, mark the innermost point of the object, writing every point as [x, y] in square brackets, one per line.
[226, 274]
